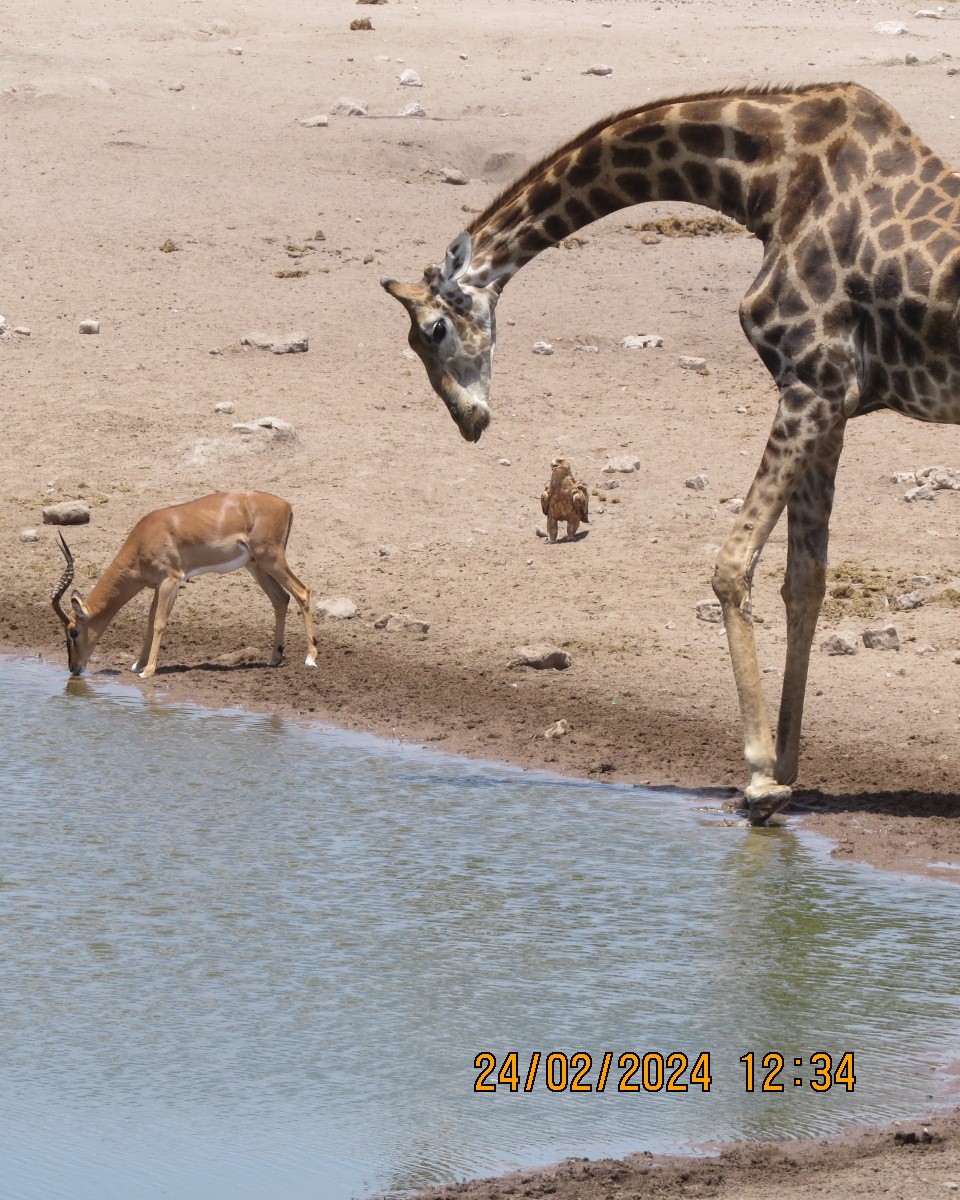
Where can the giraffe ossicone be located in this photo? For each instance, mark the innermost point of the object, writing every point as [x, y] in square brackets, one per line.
[855, 308]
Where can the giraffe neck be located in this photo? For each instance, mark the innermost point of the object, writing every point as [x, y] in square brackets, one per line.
[726, 151]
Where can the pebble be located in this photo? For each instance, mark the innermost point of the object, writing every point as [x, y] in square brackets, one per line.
[452, 175]
[67, 512]
[175, 87]
[89, 326]
[320, 121]
[710, 611]
[396, 622]
[21, 331]
[504, 462]
[735, 503]
[925, 492]
[586, 349]
[696, 483]
[225, 406]
[840, 643]
[541, 531]
[881, 639]
[909, 601]
[911, 59]
[606, 24]
[29, 535]
[414, 109]
[337, 608]
[527, 78]
[933, 14]
[409, 78]
[542, 348]
[890, 28]
[462, 57]
[557, 730]
[277, 428]
[346, 107]
[540, 658]
[3, 324]
[690, 363]
[296, 343]
[626, 464]
[236, 49]
[598, 69]
[904, 477]
[944, 479]
[642, 341]
[925, 649]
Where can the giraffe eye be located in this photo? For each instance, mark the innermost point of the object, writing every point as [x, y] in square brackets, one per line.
[438, 332]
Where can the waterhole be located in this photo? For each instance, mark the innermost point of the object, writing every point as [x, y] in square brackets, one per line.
[243, 958]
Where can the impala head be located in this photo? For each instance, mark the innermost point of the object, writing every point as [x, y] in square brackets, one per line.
[453, 329]
[77, 625]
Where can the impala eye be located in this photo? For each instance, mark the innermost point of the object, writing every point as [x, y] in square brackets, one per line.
[74, 633]
[438, 332]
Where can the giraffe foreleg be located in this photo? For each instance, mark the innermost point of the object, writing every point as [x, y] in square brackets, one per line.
[808, 517]
[798, 429]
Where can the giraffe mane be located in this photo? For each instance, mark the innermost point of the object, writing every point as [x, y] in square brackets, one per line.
[514, 189]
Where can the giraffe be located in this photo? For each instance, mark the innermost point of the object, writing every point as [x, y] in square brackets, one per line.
[855, 308]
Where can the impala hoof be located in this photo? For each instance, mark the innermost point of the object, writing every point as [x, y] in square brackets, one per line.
[146, 673]
[763, 800]
[310, 661]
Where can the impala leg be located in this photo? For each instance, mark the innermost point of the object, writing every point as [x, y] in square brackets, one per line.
[798, 429]
[280, 599]
[808, 516]
[280, 570]
[148, 637]
[166, 595]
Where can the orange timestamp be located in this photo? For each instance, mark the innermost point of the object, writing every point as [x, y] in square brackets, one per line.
[579, 1072]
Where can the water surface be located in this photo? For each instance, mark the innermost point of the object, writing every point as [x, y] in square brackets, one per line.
[240, 958]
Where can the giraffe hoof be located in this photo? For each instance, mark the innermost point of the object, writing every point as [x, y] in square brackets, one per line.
[763, 800]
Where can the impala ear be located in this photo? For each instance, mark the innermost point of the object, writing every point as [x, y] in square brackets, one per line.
[76, 601]
[458, 258]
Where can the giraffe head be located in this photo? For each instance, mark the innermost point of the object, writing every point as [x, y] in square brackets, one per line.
[453, 329]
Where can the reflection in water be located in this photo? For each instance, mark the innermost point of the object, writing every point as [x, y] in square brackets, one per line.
[243, 958]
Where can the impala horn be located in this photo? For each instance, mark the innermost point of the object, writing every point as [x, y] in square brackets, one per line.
[65, 581]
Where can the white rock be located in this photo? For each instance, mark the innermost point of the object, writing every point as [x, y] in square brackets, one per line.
[396, 622]
[29, 535]
[527, 77]
[225, 406]
[337, 608]
[346, 107]
[409, 78]
[21, 331]
[690, 363]
[904, 477]
[840, 643]
[276, 428]
[320, 121]
[236, 49]
[598, 69]
[175, 87]
[881, 639]
[932, 14]
[504, 462]
[542, 348]
[944, 479]
[696, 483]
[911, 59]
[586, 349]
[540, 658]
[67, 512]
[296, 343]
[642, 341]
[3, 324]
[735, 503]
[925, 649]
[710, 611]
[626, 464]
[462, 57]
[413, 109]
[909, 601]
[557, 730]
[452, 175]
[606, 24]
[890, 28]
[541, 531]
[926, 492]
[89, 326]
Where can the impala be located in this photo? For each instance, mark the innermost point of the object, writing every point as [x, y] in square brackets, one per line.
[218, 533]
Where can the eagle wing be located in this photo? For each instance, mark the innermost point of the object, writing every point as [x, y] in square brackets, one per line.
[581, 502]
[545, 500]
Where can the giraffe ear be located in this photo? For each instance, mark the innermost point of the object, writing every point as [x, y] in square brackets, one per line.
[458, 258]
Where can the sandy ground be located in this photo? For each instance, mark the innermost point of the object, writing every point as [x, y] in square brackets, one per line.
[125, 129]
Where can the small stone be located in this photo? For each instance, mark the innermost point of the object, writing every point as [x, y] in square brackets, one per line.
[89, 326]
[881, 639]
[236, 49]
[690, 363]
[540, 658]
[386, 551]
[413, 109]
[710, 611]
[735, 503]
[956, 657]
[67, 512]
[696, 483]
[931, 14]
[504, 462]
[626, 464]
[649, 238]
[296, 343]
[890, 28]
[904, 477]
[276, 428]
[642, 341]
[361, 23]
[175, 87]
[840, 643]
[742, 408]
[542, 348]
[337, 608]
[29, 535]
[606, 24]
[922, 581]
[586, 349]
[541, 532]
[598, 69]
[909, 601]
[396, 622]
[557, 730]
[526, 77]
[3, 324]
[21, 331]
[409, 78]
[320, 121]
[944, 479]
[346, 107]
[462, 57]
[168, 247]
[925, 492]
[911, 59]
[225, 406]
[453, 175]
[925, 649]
